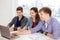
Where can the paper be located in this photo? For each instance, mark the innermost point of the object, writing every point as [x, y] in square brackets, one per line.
[36, 36]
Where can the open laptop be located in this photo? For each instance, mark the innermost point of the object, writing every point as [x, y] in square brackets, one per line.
[5, 32]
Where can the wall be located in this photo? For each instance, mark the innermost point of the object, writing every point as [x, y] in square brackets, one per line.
[7, 11]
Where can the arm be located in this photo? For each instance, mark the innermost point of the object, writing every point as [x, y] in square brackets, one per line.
[28, 24]
[56, 30]
[37, 28]
[33, 30]
[12, 22]
[24, 23]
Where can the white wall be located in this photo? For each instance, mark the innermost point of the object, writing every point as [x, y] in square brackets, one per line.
[7, 10]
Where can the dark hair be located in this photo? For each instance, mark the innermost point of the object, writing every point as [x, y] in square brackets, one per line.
[19, 8]
[46, 10]
[37, 18]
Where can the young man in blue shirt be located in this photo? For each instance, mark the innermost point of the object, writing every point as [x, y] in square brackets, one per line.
[48, 24]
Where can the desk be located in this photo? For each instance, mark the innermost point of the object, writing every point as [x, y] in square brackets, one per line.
[36, 36]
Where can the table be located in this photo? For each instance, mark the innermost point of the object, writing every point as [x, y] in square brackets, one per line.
[35, 36]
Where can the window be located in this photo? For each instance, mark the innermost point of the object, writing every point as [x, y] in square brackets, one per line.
[54, 5]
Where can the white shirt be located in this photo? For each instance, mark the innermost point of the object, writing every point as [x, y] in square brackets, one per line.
[46, 25]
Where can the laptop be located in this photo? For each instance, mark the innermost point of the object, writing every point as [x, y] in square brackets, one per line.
[5, 32]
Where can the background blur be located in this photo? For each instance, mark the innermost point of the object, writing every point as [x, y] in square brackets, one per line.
[8, 8]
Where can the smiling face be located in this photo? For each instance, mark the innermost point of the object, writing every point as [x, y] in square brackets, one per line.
[32, 13]
[19, 11]
[43, 15]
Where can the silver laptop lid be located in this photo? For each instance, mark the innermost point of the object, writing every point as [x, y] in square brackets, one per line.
[5, 32]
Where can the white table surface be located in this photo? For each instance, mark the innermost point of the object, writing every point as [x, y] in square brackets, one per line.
[36, 36]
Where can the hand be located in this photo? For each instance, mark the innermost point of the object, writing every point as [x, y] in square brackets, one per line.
[25, 32]
[18, 29]
[23, 29]
[16, 33]
[11, 29]
[49, 35]
[22, 32]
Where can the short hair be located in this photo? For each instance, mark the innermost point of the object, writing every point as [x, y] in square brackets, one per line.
[46, 10]
[19, 8]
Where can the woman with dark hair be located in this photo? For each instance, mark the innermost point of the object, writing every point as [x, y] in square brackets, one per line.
[34, 18]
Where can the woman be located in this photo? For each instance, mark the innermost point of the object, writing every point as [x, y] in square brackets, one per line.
[34, 18]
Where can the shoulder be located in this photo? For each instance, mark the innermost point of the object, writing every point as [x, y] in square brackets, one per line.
[15, 17]
[29, 18]
[54, 20]
[41, 22]
[25, 17]
[56, 23]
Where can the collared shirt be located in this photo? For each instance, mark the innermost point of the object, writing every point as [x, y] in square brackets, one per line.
[46, 25]
[53, 27]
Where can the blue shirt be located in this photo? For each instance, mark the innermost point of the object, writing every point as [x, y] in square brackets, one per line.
[53, 27]
[29, 24]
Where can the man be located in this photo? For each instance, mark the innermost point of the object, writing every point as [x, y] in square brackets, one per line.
[19, 21]
[49, 25]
